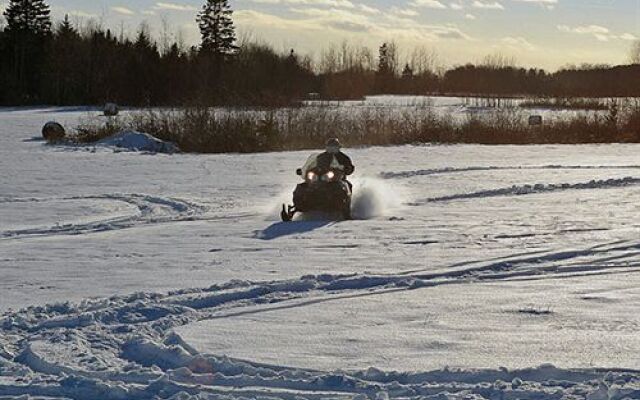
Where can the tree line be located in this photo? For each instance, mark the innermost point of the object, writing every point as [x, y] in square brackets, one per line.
[61, 64]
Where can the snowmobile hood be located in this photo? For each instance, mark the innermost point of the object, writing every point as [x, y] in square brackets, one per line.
[313, 163]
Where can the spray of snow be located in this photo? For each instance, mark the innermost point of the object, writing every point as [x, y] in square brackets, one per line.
[271, 207]
[374, 198]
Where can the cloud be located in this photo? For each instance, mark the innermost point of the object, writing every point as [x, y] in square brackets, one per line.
[371, 27]
[518, 43]
[336, 18]
[406, 28]
[81, 14]
[328, 3]
[427, 4]
[406, 12]
[173, 7]
[368, 9]
[545, 3]
[600, 33]
[123, 10]
[548, 4]
[470, 17]
[487, 5]
[587, 29]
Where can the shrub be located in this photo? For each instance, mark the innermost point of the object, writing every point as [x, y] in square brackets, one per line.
[209, 130]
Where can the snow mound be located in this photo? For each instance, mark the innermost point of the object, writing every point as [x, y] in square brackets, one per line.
[138, 141]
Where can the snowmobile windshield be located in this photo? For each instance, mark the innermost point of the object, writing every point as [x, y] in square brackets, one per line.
[320, 161]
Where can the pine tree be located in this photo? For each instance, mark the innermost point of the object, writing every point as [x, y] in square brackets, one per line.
[28, 16]
[386, 68]
[28, 29]
[66, 30]
[216, 28]
[407, 72]
[63, 65]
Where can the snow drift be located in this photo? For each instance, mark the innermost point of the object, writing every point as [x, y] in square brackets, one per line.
[138, 141]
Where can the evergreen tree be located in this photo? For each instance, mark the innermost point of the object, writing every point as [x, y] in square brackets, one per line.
[28, 16]
[66, 30]
[27, 31]
[63, 63]
[143, 68]
[407, 72]
[386, 68]
[216, 28]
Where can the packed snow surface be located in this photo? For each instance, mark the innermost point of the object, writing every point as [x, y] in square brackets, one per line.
[470, 272]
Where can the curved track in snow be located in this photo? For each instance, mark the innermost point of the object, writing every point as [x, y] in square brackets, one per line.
[150, 210]
[124, 347]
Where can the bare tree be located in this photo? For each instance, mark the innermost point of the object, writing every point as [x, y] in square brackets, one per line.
[166, 35]
[498, 61]
[424, 60]
[345, 57]
[634, 53]
[328, 63]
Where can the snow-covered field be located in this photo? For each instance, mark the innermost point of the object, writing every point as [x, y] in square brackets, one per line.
[474, 272]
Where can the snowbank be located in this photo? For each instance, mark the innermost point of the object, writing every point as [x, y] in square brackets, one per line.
[138, 141]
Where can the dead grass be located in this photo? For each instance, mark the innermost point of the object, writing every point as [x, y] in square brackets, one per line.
[206, 130]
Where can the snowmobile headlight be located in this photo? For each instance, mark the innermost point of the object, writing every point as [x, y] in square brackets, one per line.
[311, 176]
[329, 176]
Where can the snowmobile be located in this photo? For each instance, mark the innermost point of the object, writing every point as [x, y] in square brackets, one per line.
[323, 190]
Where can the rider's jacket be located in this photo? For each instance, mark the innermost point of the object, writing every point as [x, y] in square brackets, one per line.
[326, 161]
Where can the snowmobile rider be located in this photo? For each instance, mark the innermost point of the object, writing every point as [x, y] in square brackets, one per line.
[331, 158]
[332, 194]
[334, 152]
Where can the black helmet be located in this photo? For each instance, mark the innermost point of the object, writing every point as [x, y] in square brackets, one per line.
[333, 145]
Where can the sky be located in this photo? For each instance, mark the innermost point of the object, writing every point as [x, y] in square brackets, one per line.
[536, 33]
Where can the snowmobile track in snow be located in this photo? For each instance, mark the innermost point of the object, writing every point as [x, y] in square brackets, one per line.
[150, 210]
[123, 347]
[452, 170]
[520, 190]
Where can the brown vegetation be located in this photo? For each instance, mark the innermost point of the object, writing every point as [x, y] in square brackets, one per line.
[206, 130]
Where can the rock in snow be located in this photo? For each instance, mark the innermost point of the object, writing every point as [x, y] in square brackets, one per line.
[138, 141]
